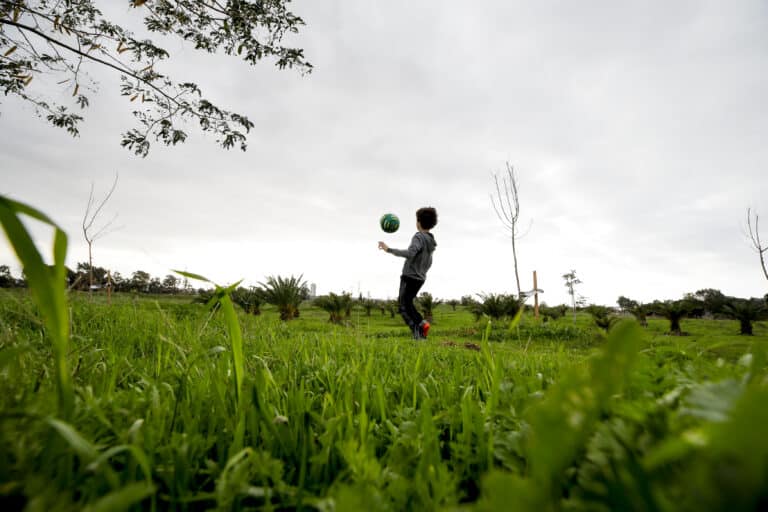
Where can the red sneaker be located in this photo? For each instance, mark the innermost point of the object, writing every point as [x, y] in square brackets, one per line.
[425, 328]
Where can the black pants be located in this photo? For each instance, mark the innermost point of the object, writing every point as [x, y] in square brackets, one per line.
[409, 288]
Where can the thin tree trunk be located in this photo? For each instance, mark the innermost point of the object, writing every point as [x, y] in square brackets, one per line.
[90, 269]
[517, 275]
[571, 292]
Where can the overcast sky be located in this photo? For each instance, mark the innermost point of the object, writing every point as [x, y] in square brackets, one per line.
[638, 131]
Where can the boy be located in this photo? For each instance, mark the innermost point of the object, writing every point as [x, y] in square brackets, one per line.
[418, 259]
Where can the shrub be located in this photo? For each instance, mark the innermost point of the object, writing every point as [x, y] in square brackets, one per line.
[745, 311]
[286, 294]
[602, 316]
[367, 305]
[428, 303]
[551, 313]
[496, 306]
[204, 296]
[640, 312]
[392, 306]
[338, 306]
[674, 311]
[250, 299]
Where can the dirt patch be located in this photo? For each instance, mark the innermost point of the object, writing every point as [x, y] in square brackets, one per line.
[468, 345]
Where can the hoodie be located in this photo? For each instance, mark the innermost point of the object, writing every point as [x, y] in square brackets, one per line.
[418, 256]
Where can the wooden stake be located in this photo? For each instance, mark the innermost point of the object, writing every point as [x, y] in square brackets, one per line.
[535, 296]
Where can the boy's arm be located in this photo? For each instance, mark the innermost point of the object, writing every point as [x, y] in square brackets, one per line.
[414, 248]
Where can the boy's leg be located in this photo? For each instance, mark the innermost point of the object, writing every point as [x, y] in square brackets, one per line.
[409, 288]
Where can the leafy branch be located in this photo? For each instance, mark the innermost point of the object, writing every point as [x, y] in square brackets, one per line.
[62, 38]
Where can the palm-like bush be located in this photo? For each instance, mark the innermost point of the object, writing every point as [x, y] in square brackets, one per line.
[745, 311]
[674, 311]
[453, 303]
[286, 294]
[602, 316]
[367, 305]
[640, 312]
[553, 312]
[496, 306]
[428, 303]
[204, 296]
[336, 305]
[392, 306]
[250, 299]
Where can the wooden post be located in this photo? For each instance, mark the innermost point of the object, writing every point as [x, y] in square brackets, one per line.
[535, 296]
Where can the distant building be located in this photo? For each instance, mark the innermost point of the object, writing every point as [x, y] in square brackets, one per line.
[313, 290]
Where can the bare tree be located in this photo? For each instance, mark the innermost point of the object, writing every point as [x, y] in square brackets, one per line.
[91, 232]
[754, 236]
[570, 282]
[508, 211]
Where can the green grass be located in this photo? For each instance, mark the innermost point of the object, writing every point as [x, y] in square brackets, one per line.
[359, 416]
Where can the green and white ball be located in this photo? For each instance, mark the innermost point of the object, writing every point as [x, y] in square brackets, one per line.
[389, 222]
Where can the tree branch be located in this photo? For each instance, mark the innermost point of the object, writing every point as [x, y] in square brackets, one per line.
[754, 235]
[76, 51]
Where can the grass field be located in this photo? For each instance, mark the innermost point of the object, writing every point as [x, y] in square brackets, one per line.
[553, 416]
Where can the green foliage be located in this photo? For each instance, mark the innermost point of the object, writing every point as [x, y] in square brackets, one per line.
[634, 308]
[48, 285]
[368, 304]
[427, 303]
[338, 306]
[250, 299]
[60, 40]
[360, 414]
[602, 316]
[745, 311]
[356, 417]
[286, 293]
[6, 278]
[674, 311]
[713, 300]
[626, 304]
[640, 312]
[392, 306]
[221, 297]
[496, 306]
[549, 313]
[453, 303]
[563, 423]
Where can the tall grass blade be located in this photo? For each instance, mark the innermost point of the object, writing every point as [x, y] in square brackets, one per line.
[123, 498]
[48, 286]
[223, 295]
[81, 446]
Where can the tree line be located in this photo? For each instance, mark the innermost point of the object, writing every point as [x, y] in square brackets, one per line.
[138, 282]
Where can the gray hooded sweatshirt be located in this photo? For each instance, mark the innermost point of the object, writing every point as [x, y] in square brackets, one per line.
[418, 256]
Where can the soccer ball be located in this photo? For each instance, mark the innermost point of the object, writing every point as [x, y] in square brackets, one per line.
[389, 222]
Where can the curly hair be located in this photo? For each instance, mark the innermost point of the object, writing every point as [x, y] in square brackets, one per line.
[427, 217]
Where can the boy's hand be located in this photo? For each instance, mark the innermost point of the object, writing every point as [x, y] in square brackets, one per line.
[383, 246]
